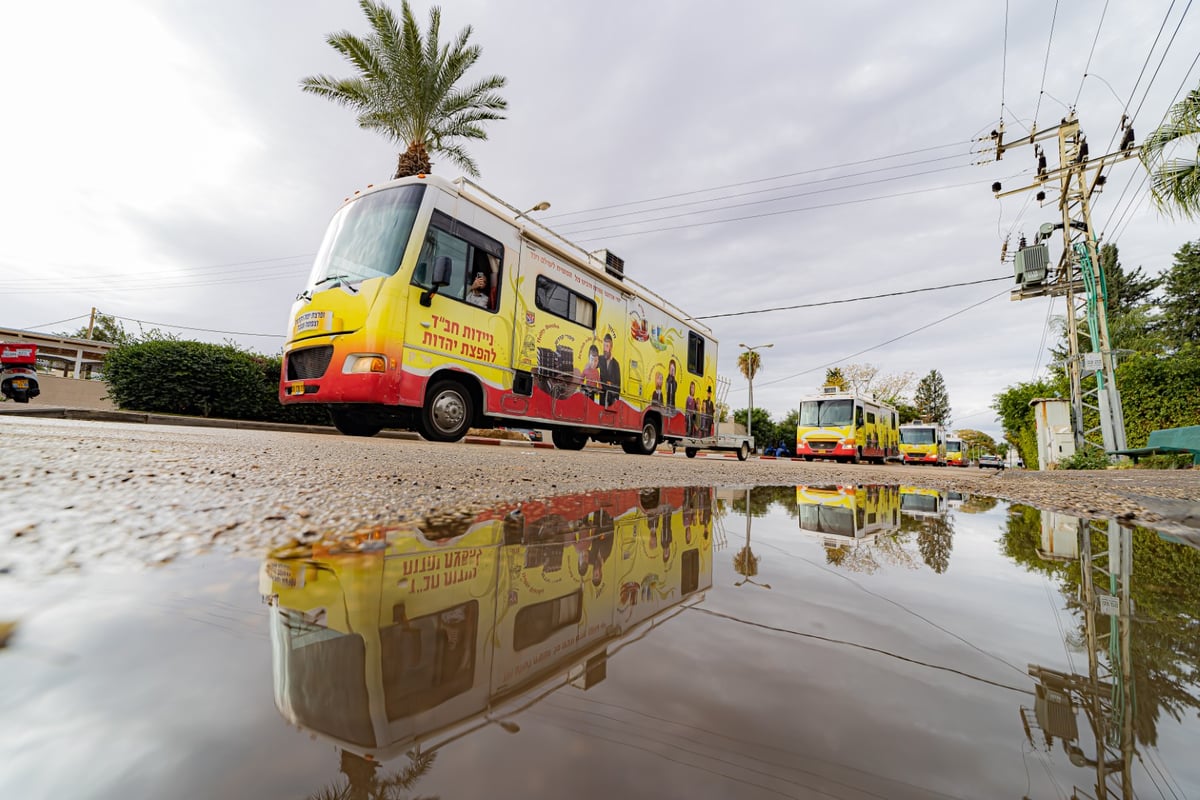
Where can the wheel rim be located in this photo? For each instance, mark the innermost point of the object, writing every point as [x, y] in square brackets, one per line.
[448, 412]
[649, 437]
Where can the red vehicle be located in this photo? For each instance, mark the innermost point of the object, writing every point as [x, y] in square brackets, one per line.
[18, 377]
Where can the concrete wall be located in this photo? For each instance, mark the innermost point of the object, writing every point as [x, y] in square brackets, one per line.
[70, 393]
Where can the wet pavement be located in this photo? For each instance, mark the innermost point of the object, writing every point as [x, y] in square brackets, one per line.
[869, 641]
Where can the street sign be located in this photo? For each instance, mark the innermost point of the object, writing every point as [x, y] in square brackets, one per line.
[1092, 362]
[1109, 605]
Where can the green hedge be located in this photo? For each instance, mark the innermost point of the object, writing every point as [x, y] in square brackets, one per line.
[201, 379]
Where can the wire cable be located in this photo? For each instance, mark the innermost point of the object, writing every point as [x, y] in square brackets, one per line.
[1046, 64]
[58, 322]
[1161, 59]
[202, 330]
[854, 299]
[1145, 64]
[1091, 53]
[756, 180]
[889, 341]
[785, 211]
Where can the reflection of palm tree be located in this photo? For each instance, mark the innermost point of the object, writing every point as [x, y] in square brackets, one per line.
[363, 782]
[745, 562]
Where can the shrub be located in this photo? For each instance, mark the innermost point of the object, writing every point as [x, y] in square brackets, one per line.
[1087, 458]
[200, 379]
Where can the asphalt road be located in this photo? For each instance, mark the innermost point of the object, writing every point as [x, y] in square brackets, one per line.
[72, 491]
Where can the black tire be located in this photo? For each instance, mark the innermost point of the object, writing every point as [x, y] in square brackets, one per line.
[690, 452]
[646, 443]
[857, 457]
[743, 452]
[568, 440]
[20, 397]
[808, 458]
[447, 413]
[355, 423]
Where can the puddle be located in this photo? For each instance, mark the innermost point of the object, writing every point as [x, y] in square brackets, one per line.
[835, 641]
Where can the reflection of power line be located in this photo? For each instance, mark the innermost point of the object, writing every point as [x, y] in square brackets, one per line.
[903, 608]
[750, 742]
[708, 757]
[867, 647]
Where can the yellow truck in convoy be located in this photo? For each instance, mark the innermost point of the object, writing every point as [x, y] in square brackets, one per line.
[397, 638]
[844, 426]
[923, 443]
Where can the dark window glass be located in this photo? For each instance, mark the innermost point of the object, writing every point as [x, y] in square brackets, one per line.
[695, 353]
[428, 660]
[537, 623]
[562, 302]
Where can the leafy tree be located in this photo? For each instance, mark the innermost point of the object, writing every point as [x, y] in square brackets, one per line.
[1016, 416]
[1125, 290]
[1172, 157]
[977, 441]
[104, 328]
[868, 381]
[931, 398]
[408, 87]
[907, 412]
[1159, 392]
[763, 429]
[787, 429]
[1179, 321]
[835, 377]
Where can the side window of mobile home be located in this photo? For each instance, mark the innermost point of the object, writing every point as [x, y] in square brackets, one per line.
[695, 353]
[560, 301]
[470, 253]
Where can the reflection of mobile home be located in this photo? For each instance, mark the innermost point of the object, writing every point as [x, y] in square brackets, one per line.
[922, 502]
[843, 513]
[383, 640]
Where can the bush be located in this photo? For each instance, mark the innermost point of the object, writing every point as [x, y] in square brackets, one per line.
[1087, 458]
[200, 379]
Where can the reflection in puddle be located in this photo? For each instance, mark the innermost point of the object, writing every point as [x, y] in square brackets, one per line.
[798, 641]
[392, 642]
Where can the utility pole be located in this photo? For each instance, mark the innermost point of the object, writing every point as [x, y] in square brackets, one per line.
[1077, 276]
[91, 323]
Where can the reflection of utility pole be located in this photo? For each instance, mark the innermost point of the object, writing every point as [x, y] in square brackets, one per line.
[1106, 693]
[1078, 275]
[745, 563]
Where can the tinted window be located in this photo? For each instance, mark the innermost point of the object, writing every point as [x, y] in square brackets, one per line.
[695, 353]
[562, 302]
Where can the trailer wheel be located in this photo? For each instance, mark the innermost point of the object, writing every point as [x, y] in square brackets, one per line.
[744, 451]
[568, 440]
[354, 423]
[690, 452]
[447, 413]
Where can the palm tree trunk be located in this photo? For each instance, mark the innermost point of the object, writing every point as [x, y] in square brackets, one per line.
[413, 161]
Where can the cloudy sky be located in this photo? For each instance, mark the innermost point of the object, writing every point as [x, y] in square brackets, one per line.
[162, 165]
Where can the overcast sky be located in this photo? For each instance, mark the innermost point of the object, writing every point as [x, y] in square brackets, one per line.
[161, 163]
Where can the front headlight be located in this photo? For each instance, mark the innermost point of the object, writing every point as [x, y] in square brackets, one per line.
[363, 363]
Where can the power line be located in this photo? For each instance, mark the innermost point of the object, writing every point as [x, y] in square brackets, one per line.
[757, 180]
[1046, 64]
[786, 211]
[775, 189]
[768, 200]
[1145, 64]
[202, 330]
[1091, 53]
[1163, 58]
[59, 322]
[1004, 63]
[855, 299]
[889, 341]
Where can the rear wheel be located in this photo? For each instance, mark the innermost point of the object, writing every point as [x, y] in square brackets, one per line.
[447, 413]
[568, 440]
[21, 396]
[743, 451]
[690, 452]
[355, 423]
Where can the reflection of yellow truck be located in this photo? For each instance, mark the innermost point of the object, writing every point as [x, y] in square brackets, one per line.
[383, 640]
[917, 501]
[845, 426]
[842, 512]
[923, 443]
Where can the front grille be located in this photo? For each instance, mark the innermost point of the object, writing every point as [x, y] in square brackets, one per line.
[822, 445]
[309, 362]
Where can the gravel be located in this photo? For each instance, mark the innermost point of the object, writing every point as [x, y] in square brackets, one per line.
[76, 492]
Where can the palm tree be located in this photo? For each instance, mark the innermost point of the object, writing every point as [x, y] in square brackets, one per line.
[835, 377]
[406, 87]
[749, 363]
[1175, 181]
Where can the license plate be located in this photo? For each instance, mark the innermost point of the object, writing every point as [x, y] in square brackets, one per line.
[295, 388]
[20, 383]
[313, 321]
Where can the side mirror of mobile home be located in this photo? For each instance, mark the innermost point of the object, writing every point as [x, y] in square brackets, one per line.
[441, 277]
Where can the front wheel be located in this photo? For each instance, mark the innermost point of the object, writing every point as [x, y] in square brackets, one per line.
[354, 423]
[690, 452]
[447, 413]
[743, 452]
[646, 443]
